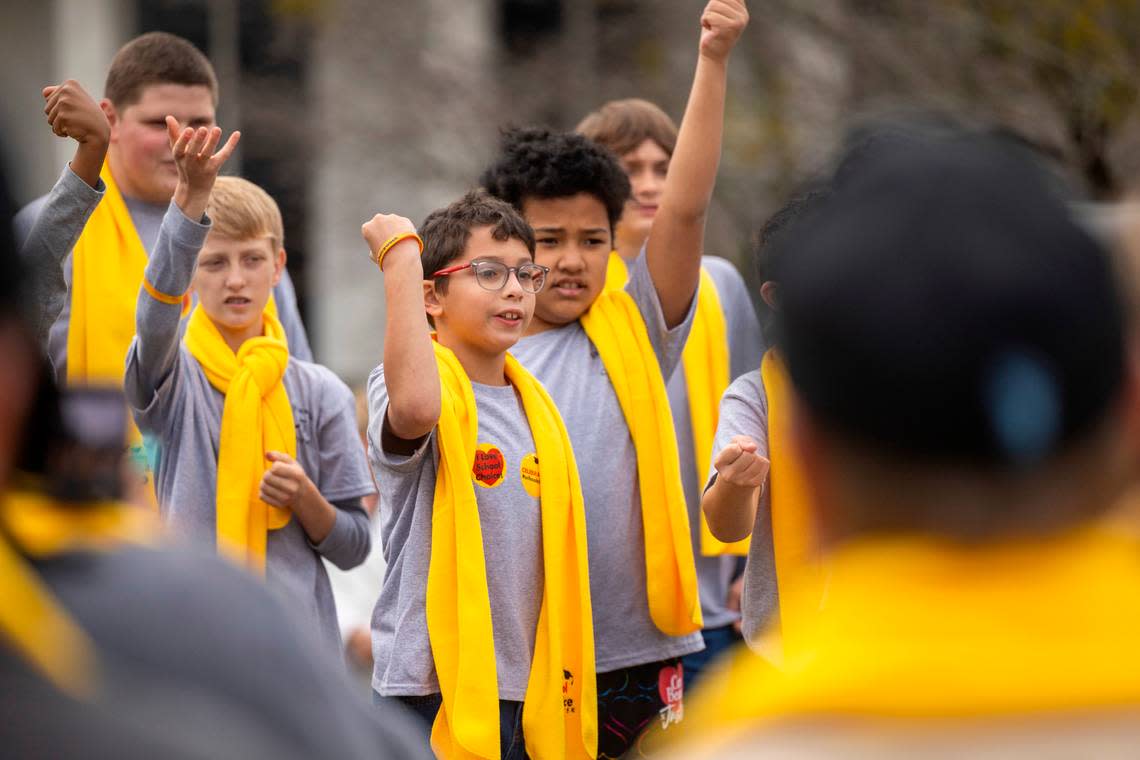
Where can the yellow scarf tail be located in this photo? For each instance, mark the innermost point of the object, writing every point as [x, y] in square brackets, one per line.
[705, 363]
[799, 572]
[616, 328]
[32, 621]
[560, 713]
[256, 418]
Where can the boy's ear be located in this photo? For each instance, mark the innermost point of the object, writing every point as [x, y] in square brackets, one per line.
[111, 114]
[770, 292]
[431, 300]
[278, 265]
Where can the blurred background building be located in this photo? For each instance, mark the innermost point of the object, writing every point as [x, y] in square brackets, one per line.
[349, 107]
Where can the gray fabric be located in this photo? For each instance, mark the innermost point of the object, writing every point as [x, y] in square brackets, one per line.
[175, 406]
[566, 361]
[744, 411]
[511, 524]
[196, 659]
[745, 348]
[147, 218]
[47, 240]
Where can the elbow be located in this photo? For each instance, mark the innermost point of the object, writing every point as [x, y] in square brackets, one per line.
[723, 527]
[415, 420]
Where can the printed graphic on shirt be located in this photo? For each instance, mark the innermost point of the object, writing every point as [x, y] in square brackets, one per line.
[671, 683]
[490, 465]
[528, 472]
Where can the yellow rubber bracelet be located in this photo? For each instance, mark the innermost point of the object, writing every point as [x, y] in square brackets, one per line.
[392, 242]
[159, 296]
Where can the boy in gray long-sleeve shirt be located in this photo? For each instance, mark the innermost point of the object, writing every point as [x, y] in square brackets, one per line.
[174, 399]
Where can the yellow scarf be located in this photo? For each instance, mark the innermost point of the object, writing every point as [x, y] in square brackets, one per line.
[915, 628]
[559, 714]
[705, 362]
[799, 572]
[615, 327]
[34, 623]
[256, 418]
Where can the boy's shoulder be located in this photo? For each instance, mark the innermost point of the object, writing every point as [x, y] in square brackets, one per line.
[748, 388]
[721, 269]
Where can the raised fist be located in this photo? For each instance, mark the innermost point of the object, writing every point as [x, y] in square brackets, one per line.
[383, 227]
[739, 464]
[721, 25]
[73, 113]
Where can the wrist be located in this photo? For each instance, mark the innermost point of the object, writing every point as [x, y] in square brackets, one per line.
[406, 243]
[192, 203]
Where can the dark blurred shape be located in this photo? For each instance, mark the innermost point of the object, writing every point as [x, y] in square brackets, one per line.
[959, 302]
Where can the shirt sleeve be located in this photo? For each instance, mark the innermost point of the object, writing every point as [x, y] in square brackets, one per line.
[667, 344]
[57, 224]
[743, 411]
[153, 359]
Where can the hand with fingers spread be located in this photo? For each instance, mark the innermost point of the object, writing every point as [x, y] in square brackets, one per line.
[198, 164]
[73, 113]
[739, 464]
[721, 25]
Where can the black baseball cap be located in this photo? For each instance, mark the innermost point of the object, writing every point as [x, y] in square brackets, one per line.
[943, 305]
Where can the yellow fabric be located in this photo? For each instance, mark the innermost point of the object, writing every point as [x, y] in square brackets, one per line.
[915, 628]
[256, 418]
[34, 623]
[615, 327]
[458, 606]
[707, 375]
[705, 363]
[799, 571]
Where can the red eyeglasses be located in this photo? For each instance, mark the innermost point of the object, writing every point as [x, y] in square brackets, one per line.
[493, 275]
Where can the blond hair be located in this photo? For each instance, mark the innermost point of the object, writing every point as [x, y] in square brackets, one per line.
[241, 210]
[622, 125]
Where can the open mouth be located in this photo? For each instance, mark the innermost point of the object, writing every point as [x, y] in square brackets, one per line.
[510, 317]
[237, 301]
[569, 288]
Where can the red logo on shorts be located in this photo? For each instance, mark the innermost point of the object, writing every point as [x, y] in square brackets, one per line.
[671, 685]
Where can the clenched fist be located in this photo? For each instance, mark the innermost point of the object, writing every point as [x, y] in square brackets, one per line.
[383, 227]
[739, 464]
[721, 25]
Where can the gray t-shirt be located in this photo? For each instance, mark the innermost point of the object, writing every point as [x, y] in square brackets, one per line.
[511, 523]
[175, 406]
[147, 218]
[196, 660]
[745, 348]
[569, 366]
[744, 411]
[47, 241]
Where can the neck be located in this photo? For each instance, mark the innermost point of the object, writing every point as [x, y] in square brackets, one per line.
[538, 325]
[234, 338]
[628, 246]
[482, 368]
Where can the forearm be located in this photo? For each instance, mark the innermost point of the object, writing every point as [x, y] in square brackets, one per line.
[349, 540]
[315, 513]
[53, 234]
[168, 274]
[88, 161]
[730, 510]
[410, 371]
[676, 240]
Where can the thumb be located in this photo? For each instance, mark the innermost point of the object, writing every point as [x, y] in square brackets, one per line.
[278, 456]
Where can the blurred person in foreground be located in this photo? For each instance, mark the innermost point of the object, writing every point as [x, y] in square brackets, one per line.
[965, 401]
[114, 643]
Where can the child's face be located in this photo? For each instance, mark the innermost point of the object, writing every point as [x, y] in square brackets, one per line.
[646, 166]
[572, 236]
[140, 148]
[233, 281]
[487, 321]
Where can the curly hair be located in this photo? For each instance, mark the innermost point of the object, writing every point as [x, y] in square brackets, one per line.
[538, 163]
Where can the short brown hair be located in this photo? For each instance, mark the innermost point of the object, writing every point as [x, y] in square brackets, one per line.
[622, 125]
[446, 231]
[156, 58]
[241, 210]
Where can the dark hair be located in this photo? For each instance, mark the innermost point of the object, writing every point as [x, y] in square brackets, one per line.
[446, 231]
[769, 243]
[622, 125]
[537, 163]
[156, 58]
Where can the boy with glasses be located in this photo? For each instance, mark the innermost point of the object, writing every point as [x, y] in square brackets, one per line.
[483, 626]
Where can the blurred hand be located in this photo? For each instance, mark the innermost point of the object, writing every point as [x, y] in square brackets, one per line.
[722, 23]
[732, 601]
[740, 465]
